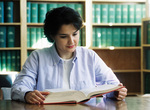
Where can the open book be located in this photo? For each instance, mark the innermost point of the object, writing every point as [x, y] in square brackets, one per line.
[73, 96]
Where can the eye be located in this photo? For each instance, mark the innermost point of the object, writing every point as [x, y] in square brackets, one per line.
[63, 36]
[74, 34]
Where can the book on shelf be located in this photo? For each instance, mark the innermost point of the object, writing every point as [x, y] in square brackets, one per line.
[97, 13]
[8, 12]
[42, 10]
[116, 37]
[122, 37]
[34, 12]
[138, 13]
[103, 37]
[118, 12]
[98, 37]
[125, 13]
[147, 59]
[139, 37]
[104, 13]
[51, 6]
[28, 12]
[8, 61]
[10, 39]
[133, 37]
[131, 13]
[143, 10]
[2, 36]
[0, 61]
[128, 37]
[17, 60]
[94, 37]
[74, 96]
[3, 59]
[111, 15]
[79, 9]
[109, 36]
[13, 60]
[1, 12]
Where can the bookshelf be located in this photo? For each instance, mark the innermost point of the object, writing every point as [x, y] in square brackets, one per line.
[145, 73]
[124, 61]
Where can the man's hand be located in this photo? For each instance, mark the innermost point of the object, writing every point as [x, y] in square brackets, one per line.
[121, 93]
[35, 97]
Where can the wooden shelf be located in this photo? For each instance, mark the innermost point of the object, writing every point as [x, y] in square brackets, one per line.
[115, 48]
[116, 24]
[35, 24]
[126, 71]
[8, 24]
[146, 45]
[121, 1]
[145, 70]
[57, 0]
[11, 48]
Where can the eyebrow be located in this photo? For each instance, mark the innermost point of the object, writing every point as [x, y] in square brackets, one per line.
[66, 34]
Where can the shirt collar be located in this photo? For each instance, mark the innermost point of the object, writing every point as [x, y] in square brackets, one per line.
[57, 59]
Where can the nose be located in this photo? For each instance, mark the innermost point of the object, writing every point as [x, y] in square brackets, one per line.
[71, 40]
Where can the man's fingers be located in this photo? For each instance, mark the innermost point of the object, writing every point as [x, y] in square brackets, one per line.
[44, 93]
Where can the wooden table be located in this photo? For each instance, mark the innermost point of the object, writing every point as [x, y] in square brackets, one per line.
[130, 103]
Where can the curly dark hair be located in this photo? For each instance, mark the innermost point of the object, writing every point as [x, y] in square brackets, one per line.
[57, 17]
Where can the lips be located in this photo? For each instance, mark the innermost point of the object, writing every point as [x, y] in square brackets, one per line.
[70, 46]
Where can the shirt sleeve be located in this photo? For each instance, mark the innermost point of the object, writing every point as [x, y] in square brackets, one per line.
[104, 74]
[26, 80]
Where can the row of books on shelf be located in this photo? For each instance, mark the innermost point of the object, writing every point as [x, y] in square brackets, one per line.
[9, 60]
[117, 37]
[36, 11]
[7, 36]
[37, 39]
[6, 12]
[118, 13]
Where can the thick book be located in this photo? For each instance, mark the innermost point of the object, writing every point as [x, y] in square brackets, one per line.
[10, 39]
[34, 12]
[131, 16]
[28, 12]
[2, 36]
[8, 10]
[125, 13]
[118, 12]
[116, 37]
[1, 12]
[74, 96]
[42, 9]
[111, 15]
[109, 37]
[104, 13]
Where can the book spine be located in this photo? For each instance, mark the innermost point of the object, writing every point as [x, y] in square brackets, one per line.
[10, 36]
[71, 5]
[38, 38]
[133, 36]
[128, 37]
[109, 37]
[8, 10]
[93, 13]
[97, 13]
[103, 37]
[28, 12]
[8, 63]
[33, 37]
[94, 37]
[34, 12]
[79, 9]
[1, 12]
[131, 13]
[0, 60]
[2, 36]
[143, 10]
[51, 6]
[13, 60]
[138, 13]
[146, 83]
[28, 37]
[139, 37]
[148, 33]
[83, 37]
[111, 13]
[124, 13]
[98, 38]
[42, 9]
[17, 61]
[104, 11]
[116, 37]
[118, 13]
[3, 61]
[122, 37]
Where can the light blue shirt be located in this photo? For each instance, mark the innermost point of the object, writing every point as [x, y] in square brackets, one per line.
[44, 70]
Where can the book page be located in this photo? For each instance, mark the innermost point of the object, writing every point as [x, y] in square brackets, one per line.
[66, 96]
[99, 89]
